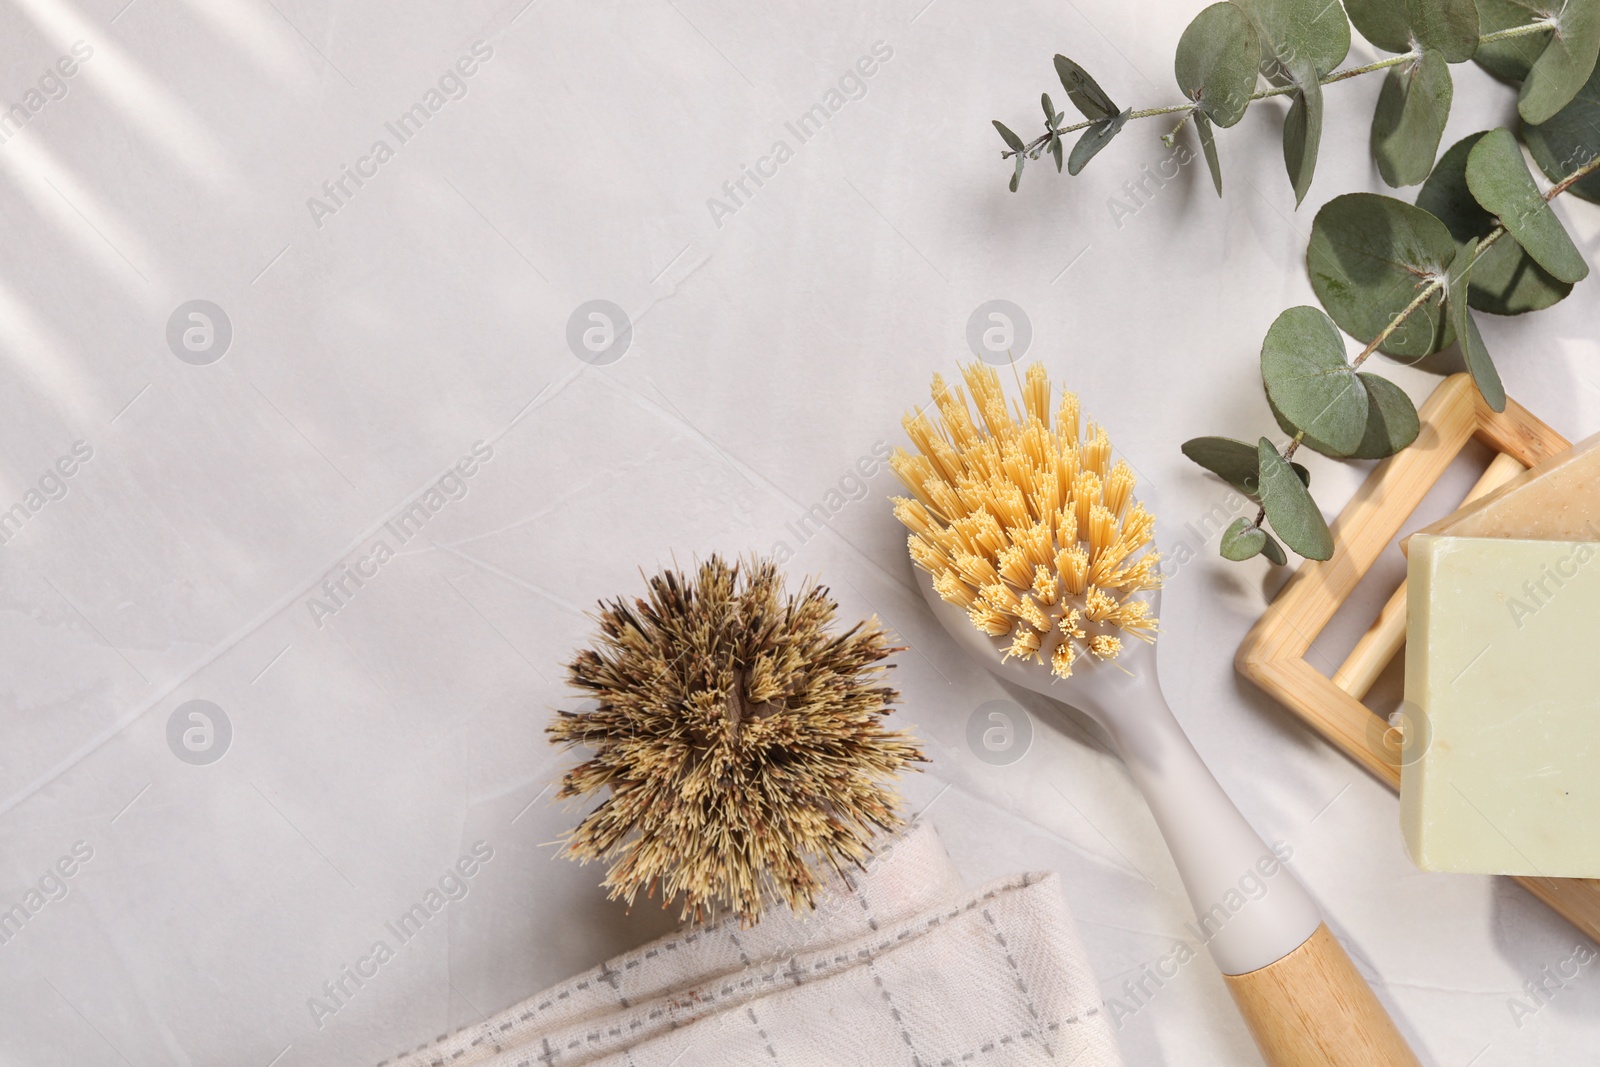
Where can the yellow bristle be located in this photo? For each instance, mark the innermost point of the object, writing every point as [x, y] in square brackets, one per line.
[1061, 660]
[954, 590]
[1073, 565]
[1002, 597]
[1097, 451]
[1104, 646]
[1085, 495]
[1138, 525]
[975, 570]
[1036, 542]
[1072, 624]
[1046, 587]
[952, 405]
[914, 516]
[1035, 444]
[1118, 489]
[988, 620]
[1006, 501]
[1098, 604]
[927, 556]
[1067, 420]
[1102, 530]
[1015, 568]
[1024, 644]
[1036, 393]
[1031, 613]
[1067, 527]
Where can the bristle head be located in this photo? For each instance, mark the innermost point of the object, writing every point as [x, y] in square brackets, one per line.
[1032, 528]
[738, 737]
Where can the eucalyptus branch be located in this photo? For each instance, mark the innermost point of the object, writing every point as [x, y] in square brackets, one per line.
[1038, 144]
[1427, 291]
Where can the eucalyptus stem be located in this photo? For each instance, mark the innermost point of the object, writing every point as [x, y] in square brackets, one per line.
[1032, 148]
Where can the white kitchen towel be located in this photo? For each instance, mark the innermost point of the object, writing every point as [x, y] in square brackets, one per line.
[897, 965]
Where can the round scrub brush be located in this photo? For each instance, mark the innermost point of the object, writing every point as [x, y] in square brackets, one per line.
[1037, 560]
[741, 739]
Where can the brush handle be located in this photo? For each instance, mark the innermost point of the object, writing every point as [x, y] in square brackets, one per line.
[1313, 1009]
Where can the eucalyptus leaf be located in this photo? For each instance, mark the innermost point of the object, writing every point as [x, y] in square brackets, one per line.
[1084, 91]
[1312, 33]
[1012, 141]
[1301, 40]
[1564, 65]
[1310, 382]
[1392, 422]
[1016, 175]
[1409, 120]
[1302, 133]
[1500, 181]
[1367, 257]
[1055, 151]
[1216, 62]
[1570, 139]
[1383, 22]
[1473, 351]
[1274, 551]
[1505, 280]
[1243, 540]
[1050, 116]
[1208, 145]
[1290, 509]
[1510, 59]
[1449, 26]
[1095, 138]
[1234, 462]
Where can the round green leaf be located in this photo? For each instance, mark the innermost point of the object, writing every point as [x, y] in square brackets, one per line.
[1473, 351]
[1409, 121]
[1095, 138]
[1368, 256]
[1242, 540]
[1232, 461]
[1500, 181]
[1450, 26]
[1216, 62]
[1570, 139]
[1505, 280]
[1564, 65]
[1313, 32]
[1084, 91]
[1510, 59]
[1392, 422]
[1383, 22]
[1274, 551]
[1289, 506]
[1301, 40]
[1310, 382]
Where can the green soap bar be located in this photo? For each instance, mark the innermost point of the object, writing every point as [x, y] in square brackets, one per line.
[1501, 773]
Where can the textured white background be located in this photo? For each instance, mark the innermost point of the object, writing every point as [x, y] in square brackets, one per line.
[771, 353]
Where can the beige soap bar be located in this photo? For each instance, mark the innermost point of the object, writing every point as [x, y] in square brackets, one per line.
[1559, 500]
[1503, 680]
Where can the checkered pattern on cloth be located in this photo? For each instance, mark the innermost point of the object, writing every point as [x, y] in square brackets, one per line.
[903, 966]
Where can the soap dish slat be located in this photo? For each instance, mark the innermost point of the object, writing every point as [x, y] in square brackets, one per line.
[1273, 653]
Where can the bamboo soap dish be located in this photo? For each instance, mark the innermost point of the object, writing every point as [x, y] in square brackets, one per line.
[1273, 653]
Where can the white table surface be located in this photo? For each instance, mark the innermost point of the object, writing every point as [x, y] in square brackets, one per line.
[373, 346]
